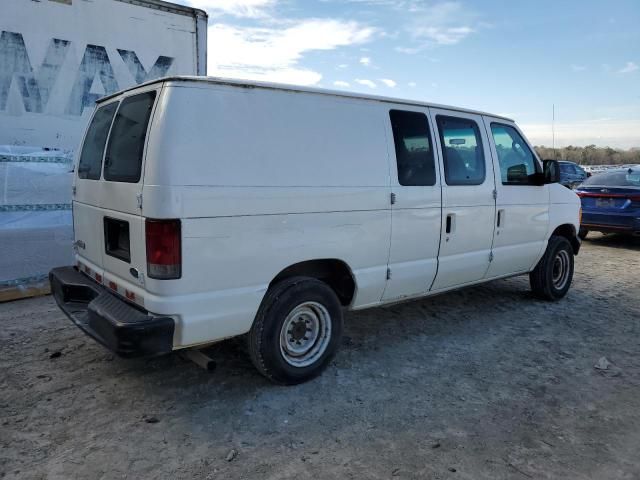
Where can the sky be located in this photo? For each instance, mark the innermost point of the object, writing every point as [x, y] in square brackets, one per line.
[514, 58]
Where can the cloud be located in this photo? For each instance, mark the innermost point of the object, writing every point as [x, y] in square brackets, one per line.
[443, 35]
[412, 84]
[237, 8]
[628, 68]
[444, 23]
[273, 54]
[388, 82]
[366, 61]
[366, 83]
[578, 68]
[409, 50]
[341, 83]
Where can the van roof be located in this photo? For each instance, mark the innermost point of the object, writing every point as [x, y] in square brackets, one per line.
[295, 88]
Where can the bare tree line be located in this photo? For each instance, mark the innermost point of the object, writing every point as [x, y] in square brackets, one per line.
[591, 155]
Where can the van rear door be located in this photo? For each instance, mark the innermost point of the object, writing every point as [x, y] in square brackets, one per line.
[107, 202]
[88, 241]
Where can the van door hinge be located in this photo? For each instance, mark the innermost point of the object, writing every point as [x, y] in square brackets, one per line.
[393, 199]
[490, 256]
[495, 194]
[388, 274]
[73, 190]
[139, 199]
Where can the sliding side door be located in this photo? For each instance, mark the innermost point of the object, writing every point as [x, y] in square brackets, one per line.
[416, 208]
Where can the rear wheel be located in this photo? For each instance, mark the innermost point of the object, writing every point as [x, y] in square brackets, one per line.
[552, 276]
[297, 330]
[583, 233]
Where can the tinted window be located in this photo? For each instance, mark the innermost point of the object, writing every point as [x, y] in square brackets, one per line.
[517, 161]
[414, 154]
[123, 161]
[461, 151]
[617, 178]
[567, 168]
[90, 164]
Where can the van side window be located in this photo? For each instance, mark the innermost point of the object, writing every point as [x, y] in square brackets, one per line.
[461, 150]
[123, 161]
[90, 164]
[414, 154]
[517, 162]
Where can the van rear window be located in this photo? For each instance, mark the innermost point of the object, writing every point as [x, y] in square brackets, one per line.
[123, 161]
[90, 164]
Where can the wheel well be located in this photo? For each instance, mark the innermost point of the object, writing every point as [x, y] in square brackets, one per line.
[333, 272]
[569, 232]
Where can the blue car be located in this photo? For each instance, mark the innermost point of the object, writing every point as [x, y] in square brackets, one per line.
[571, 174]
[611, 202]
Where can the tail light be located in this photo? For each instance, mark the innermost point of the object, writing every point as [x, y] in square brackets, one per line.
[164, 249]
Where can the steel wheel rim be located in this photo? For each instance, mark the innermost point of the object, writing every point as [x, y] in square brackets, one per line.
[305, 334]
[560, 271]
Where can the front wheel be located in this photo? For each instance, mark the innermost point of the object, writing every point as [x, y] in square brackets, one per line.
[297, 330]
[551, 278]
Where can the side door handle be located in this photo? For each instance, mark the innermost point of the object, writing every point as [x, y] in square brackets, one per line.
[449, 225]
[500, 221]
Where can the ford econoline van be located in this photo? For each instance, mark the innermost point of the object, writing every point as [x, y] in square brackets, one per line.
[207, 208]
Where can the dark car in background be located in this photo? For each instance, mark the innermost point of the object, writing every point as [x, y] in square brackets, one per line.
[571, 174]
[611, 202]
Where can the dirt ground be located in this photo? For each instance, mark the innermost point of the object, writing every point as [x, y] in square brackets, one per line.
[482, 383]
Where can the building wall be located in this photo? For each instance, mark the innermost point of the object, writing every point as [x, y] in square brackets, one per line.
[57, 58]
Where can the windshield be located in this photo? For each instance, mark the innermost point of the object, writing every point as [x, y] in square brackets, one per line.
[617, 178]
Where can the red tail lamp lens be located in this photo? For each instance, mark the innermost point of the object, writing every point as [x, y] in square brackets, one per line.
[164, 249]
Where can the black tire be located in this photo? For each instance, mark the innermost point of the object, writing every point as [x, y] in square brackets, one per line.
[546, 281]
[583, 233]
[302, 296]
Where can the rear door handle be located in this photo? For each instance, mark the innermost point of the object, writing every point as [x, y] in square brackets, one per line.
[449, 226]
[500, 222]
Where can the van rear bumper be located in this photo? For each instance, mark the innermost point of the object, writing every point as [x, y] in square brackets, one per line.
[122, 328]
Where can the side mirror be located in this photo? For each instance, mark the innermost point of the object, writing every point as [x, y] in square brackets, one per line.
[551, 171]
[517, 174]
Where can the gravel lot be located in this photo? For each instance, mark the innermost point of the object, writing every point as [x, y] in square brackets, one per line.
[486, 382]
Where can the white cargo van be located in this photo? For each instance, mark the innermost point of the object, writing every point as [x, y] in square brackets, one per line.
[208, 208]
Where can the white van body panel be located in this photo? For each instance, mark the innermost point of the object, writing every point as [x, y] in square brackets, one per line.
[265, 245]
[252, 208]
[415, 226]
[522, 236]
[264, 177]
[563, 205]
[464, 252]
